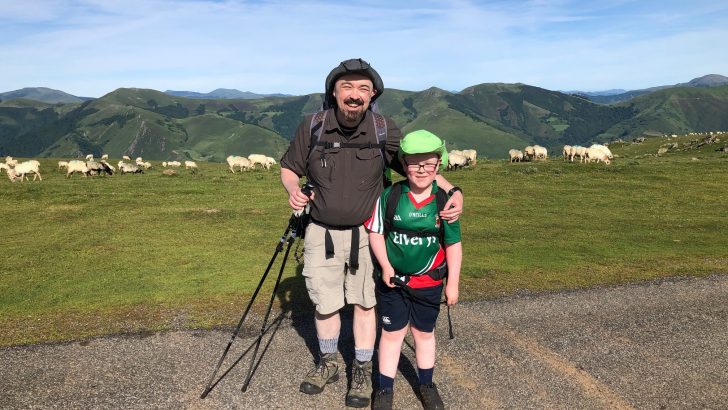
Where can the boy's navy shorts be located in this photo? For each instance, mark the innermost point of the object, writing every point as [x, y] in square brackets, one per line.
[396, 307]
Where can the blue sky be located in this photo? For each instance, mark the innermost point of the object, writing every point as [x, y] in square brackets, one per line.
[92, 47]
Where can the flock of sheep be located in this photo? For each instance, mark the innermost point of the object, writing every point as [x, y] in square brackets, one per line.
[90, 167]
[596, 152]
[458, 159]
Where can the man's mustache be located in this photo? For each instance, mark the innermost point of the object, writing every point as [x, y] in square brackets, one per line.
[356, 101]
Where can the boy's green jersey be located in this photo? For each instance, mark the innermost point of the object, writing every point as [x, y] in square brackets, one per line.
[413, 255]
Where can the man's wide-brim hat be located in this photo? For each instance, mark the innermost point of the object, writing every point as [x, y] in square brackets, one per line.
[352, 66]
[424, 142]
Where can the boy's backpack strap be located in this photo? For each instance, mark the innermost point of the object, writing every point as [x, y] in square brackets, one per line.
[392, 202]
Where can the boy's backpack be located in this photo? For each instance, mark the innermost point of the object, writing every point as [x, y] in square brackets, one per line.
[393, 200]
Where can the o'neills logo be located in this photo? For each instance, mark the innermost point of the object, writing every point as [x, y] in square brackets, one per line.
[417, 215]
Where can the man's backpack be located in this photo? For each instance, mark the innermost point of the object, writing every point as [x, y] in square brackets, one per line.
[317, 128]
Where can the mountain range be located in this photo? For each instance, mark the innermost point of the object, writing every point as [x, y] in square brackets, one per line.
[491, 118]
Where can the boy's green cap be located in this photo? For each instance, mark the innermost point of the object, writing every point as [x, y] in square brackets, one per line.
[424, 142]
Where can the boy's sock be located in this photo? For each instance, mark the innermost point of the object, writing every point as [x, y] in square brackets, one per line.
[328, 346]
[386, 382]
[363, 355]
[425, 375]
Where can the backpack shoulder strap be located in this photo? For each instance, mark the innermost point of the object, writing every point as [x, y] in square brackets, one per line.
[317, 128]
[441, 198]
[392, 202]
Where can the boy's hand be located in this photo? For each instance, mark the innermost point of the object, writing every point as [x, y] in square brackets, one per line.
[451, 293]
[387, 275]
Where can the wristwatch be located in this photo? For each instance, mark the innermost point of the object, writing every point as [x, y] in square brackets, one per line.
[453, 189]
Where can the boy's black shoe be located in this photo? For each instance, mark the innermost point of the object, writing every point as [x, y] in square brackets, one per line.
[430, 397]
[383, 399]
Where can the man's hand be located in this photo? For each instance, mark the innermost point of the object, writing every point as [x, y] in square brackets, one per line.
[453, 207]
[297, 199]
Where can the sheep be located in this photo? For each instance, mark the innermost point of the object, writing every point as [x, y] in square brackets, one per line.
[471, 155]
[62, 164]
[144, 164]
[138, 160]
[528, 153]
[126, 157]
[97, 168]
[597, 155]
[566, 152]
[10, 161]
[21, 170]
[125, 168]
[6, 167]
[269, 161]
[540, 152]
[457, 152]
[238, 161]
[76, 166]
[108, 165]
[191, 165]
[604, 149]
[581, 153]
[105, 156]
[90, 157]
[256, 159]
[455, 161]
[515, 155]
[173, 164]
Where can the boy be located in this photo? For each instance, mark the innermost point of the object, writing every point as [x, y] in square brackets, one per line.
[415, 250]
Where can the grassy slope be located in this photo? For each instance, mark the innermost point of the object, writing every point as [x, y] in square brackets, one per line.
[90, 256]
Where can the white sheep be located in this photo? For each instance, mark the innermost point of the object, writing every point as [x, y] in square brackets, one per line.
[145, 164]
[529, 153]
[173, 164]
[10, 161]
[238, 161]
[105, 156]
[21, 170]
[125, 168]
[566, 152]
[126, 157]
[540, 152]
[269, 161]
[90, 157]
[138, 160]
[515, 155]
[191, 165]
[4, 167]
[76, 166]
[597, 155]
[604, 149]
[471, 155]
[455, 160]
[62, 164]
[257, 159]
[111, 167]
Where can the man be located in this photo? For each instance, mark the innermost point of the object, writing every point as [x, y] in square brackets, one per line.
[345, 163]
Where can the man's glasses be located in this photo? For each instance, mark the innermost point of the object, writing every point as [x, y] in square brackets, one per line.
[428, 167]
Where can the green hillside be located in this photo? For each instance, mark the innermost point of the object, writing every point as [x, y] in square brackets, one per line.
[676, 111]
[491, 118]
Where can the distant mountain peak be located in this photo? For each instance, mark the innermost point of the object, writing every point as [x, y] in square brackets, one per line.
[710, 80]
[223, 93]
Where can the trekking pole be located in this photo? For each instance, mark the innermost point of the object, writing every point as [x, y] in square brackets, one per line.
[295, 228]
[279, 249]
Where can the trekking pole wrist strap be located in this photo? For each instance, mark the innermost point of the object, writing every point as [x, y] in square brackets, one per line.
[454, 189]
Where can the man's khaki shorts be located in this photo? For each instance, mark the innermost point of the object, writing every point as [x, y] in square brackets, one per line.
[330, 282]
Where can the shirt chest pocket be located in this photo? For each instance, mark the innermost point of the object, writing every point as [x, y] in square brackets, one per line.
[369, 169]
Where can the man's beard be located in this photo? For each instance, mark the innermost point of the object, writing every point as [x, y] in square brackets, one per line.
[353, 115]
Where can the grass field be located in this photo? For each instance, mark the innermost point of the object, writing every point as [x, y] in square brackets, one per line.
[91, 256]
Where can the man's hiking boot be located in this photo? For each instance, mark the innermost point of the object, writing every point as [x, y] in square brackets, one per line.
[360, 393]
[383, 399]
[430, 397]
[327, 371]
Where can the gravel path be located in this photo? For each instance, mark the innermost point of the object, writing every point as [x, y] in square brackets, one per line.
[659, 345]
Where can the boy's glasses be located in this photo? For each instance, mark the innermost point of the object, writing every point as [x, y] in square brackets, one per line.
[428, 167]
